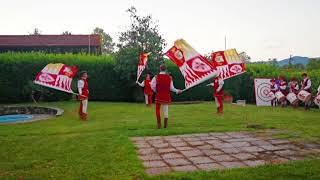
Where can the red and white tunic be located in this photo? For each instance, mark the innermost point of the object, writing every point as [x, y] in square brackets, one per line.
[218, 87]
[294, 88]
[306, 85]
[274, 88]
[162, 84]
[83, 89]
[147, 87]
[283, 88]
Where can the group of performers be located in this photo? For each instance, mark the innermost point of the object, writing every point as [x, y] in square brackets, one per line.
[282, 92]
[162, 84]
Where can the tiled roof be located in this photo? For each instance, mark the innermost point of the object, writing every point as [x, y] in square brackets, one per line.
[49, 40]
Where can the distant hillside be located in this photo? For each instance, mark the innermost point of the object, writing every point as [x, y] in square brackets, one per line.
[295, 60]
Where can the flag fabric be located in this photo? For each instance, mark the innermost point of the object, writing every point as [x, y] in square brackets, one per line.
[57, 76]
[194, 67]
[143, 58]
[229, 63]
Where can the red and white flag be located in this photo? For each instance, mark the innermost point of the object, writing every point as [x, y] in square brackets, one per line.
[194, 67]
[229, 63]
[57, 76]
[143, 58]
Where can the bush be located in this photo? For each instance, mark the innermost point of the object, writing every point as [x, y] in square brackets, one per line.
[107, 83]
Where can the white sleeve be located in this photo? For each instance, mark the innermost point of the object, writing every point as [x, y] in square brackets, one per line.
[154, 84]
[141, 84]
[172, 88]
[80, 86]
[308, 85]
[221, 83]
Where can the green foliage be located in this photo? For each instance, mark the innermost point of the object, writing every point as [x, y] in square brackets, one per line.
[18, 70]
[313, 64]
[107, 45]
[112, 77]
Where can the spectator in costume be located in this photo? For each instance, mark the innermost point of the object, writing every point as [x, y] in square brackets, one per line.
[283, 89]
[294, 88]
[306, 85]
[274, 88]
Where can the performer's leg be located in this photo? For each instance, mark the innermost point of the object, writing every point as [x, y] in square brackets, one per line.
[150, 100]
[217, 103]
[166, 114]
[146, 98]
[80, 110]
[221, 104]
[158, 106]
[84, 109]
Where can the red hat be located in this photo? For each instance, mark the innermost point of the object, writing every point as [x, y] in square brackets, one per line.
[282, 78]
[293, 79]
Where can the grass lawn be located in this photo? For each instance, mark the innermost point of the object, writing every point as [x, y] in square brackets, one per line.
[66, 148]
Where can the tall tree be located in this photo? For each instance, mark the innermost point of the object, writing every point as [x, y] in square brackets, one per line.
[107, 45]
[245, 57]
[142, 36]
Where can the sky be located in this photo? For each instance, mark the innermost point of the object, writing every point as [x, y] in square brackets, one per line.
[262, 28]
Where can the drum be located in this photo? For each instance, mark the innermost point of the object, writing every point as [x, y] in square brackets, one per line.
[304, 96]
[280, 96]
[317, 100]
[292, 98]
[271, 95]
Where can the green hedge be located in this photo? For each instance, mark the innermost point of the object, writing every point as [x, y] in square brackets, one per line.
[18, 70]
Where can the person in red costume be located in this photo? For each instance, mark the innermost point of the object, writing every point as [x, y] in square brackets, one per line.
[294, 88]
[218, 93]
[306, 85]
[162, 84]
[83, 89]
[283, 89]
[274, 88]
[147, 89]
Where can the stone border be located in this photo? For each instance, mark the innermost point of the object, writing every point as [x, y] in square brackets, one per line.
[216, 151]
[39, 113]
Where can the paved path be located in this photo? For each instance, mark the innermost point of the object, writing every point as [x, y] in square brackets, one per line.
[215, 151]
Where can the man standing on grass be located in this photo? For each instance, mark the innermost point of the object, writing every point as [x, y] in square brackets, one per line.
[218, 93]
[162, 84]
[83, 89]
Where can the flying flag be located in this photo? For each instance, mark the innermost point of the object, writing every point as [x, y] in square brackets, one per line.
[229, 63]
[143, 58]
[194, 67]
[57, 76]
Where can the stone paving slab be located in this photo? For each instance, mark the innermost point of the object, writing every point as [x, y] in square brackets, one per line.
[217, 151]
